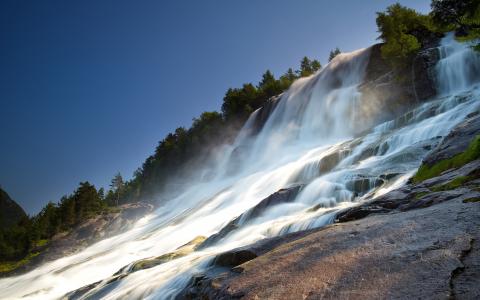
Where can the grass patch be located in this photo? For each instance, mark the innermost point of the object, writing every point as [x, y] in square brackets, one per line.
[41, 243]
[471, 153]
[457, 182]
[471, 200]
[420, 195]
[8, 266]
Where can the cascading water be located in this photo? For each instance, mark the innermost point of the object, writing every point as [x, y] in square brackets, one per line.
[307, 141]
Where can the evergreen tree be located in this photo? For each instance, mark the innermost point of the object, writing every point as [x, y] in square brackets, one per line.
[117, 185]
[305, 67]
[315, 66]
[333, 53]
[396, 27]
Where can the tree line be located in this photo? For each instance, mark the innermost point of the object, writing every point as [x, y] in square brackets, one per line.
[31, 232]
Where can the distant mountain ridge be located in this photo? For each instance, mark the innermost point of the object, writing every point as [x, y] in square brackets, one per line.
[10, 212]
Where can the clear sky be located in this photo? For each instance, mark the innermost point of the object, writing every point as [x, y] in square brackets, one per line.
[88, 88]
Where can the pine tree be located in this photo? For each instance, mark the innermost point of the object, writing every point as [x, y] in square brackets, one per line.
[305, 67]
[267, 80]
[117, 186]
[333, 53]
[315, 65]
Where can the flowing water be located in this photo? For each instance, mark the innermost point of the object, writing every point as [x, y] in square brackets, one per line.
[307, 140]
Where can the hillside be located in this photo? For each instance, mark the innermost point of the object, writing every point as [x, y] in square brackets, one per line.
[10, 212]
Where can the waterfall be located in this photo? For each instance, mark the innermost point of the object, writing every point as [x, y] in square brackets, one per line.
[307, 141]
[459, 66]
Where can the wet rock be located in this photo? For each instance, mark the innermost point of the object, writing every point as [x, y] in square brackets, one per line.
[331, 161]
[264, 112]
[142, 264]
[234, 258]
[208, 284]
[155, 261]
[284, 195]
[361, 184]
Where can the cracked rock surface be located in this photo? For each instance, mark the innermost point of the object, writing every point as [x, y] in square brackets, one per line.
[428, 253]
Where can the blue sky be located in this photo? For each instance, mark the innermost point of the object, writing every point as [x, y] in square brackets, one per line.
[88, 88]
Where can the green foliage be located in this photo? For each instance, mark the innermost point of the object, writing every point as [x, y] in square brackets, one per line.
[8, 266]
[116, 187]
[471, 153]
[397, 27]
[463, 16]
[308, 67]
[19, 241]
[451, 12]
[333, 53]
[420, 195]
[471, 200]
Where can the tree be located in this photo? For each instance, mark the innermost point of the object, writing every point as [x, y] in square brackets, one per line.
[451, 12]
[305, 67]
[315, 65]
[308, 67]
[333, 53]
[267, 79]
[463, 16]
[117, 185]
[87, 201]
[396, 27]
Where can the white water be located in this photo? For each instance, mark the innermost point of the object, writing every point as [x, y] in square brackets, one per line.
[314, 119]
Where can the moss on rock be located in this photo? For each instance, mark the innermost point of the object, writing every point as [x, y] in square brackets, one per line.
[471, 153]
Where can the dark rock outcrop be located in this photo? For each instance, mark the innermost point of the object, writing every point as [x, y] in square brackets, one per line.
[264, 112]
[10, 212]
[361, 184]
[394, 91]
[284, 195]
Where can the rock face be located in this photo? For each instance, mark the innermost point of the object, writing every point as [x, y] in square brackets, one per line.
[392, 92]
[419, 241]
[264, 112]
[10, 212]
